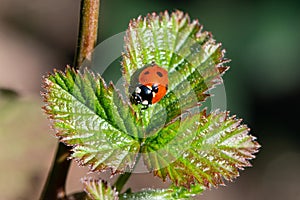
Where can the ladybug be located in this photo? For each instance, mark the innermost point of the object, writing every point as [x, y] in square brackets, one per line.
[153, 85]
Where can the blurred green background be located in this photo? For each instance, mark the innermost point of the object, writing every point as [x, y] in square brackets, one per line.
[262, 38]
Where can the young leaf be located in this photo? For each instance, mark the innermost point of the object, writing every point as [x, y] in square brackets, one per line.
[148, 194]
[179, 146]
[99, 190]
[164, 147]
[89, 115]
[193, 59]
[177, 139]
[163, 194]
[219, 148]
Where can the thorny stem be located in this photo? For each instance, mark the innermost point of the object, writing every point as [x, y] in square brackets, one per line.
[54, 187]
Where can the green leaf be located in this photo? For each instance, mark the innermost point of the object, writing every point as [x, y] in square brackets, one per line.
[218, 149]
[169, 143]
[193, 59]
[99, 190]
[176, 138]
[149, 194]
[163, 194]
[90, 116]
[186, 193]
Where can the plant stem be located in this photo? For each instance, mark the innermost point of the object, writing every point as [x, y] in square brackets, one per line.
[87, 37]
[55, 184]
[88, 29]
[122, 179]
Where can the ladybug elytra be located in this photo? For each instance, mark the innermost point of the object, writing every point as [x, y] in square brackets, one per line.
[153, 85]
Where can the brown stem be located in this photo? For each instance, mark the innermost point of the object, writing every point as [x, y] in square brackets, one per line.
[56, 181]
[88, 28]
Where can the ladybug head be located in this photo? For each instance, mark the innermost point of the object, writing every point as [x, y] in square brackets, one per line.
[142, 95]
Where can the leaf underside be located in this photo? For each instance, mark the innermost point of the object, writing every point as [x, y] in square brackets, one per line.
[177, 140]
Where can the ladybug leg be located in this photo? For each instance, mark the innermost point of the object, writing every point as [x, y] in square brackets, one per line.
[144, 107]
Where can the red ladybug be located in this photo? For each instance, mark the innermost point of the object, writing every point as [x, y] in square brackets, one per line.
[153, 85]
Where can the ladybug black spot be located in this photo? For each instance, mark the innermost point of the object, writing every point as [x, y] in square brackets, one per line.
[147, 72]
[159, 74]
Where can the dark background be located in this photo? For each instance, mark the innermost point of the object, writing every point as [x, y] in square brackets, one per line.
[263, 86]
